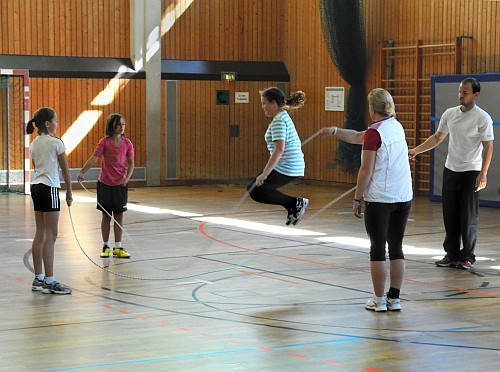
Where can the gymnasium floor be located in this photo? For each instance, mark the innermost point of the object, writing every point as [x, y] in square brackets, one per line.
[216, 282]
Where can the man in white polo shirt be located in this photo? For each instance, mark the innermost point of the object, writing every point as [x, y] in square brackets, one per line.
[470, 149]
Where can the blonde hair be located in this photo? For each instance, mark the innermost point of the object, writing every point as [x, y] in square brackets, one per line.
[381, 102]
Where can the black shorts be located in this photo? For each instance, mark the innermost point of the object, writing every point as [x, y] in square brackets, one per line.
[112, 198]
[45, 198]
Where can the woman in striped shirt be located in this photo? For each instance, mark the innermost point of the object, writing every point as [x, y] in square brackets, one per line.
[286, 162]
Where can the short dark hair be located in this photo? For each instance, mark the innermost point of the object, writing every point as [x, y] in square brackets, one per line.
[476, 87]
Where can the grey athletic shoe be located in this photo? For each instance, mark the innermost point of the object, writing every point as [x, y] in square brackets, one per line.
[55, 288]
[37, 284]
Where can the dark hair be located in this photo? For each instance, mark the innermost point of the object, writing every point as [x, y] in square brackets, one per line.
[112, 121]
[39, 118]
[294, 101]
[476, 87]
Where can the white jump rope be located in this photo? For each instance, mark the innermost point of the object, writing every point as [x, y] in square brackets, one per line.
[130, 238]
[235, 208]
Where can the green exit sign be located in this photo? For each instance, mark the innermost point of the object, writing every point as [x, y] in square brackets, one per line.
[228, 76]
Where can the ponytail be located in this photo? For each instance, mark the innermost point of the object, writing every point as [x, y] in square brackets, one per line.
[296, 100]
[29, 127]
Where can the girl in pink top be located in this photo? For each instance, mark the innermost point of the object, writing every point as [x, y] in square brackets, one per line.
[112, 191]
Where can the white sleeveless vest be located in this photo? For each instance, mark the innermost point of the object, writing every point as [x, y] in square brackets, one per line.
[391, 178]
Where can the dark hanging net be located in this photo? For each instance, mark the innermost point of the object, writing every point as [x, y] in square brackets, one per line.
[343, 29]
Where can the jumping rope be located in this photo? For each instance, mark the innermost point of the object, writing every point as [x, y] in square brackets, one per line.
[95, 263]
[106, 269]
[136, 251]
[332, 202]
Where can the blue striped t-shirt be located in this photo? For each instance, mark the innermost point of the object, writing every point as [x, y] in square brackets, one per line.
[282, 128]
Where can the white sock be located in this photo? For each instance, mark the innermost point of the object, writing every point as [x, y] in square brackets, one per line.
[118, 244]
[40, 277]
[106, 243]
[380, 299]
[49, 279]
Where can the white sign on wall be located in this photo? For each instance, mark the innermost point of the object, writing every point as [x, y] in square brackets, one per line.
[241, 97]
[334, 98]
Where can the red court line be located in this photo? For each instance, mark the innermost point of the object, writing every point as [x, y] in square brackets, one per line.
[480, 293]
[333, 362]
[265, 348]
[201, 228]
[209, 336]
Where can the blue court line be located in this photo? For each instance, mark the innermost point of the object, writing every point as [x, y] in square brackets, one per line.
[152, 360]
[467, 328]
[200, 355]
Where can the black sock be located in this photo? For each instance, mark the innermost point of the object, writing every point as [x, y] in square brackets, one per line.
[393, 293]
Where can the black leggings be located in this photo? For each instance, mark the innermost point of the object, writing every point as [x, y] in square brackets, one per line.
[386, 223]
[267, 193]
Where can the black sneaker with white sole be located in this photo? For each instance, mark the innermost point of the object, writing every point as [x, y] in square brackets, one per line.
[300, 209]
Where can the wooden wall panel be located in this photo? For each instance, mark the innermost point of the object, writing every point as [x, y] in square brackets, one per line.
[206, 150]
[223, 30]
[73, 97]
[236, 30]
[83, 28]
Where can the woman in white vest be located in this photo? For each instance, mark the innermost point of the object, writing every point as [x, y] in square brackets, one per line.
[384, 184]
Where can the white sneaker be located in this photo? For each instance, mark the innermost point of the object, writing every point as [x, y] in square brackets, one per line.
[376, 305]
[393, 304]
